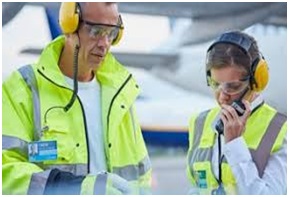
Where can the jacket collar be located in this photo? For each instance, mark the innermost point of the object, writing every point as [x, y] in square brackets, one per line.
[110, 73]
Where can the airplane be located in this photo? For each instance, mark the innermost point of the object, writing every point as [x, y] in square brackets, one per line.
[177, 66]
[204, 15]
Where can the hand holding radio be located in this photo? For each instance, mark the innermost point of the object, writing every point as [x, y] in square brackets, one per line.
[234, 118]
[240, 109]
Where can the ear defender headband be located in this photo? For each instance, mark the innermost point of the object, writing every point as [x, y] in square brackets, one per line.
[259, 74]
[70, 17]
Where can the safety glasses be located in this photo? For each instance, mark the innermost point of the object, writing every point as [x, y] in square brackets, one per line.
[232, 87]
[96, 30]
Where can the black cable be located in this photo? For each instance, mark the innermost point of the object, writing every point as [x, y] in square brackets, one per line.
[220, 190]
[220, 159]
[75, 82]
[51, 108]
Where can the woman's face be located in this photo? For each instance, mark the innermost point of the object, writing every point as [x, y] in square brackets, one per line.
[228, 83]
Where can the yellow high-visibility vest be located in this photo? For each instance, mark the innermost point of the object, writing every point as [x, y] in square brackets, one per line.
[271, 127]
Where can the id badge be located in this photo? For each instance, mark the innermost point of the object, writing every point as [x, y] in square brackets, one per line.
[40, 151]
[202, 179]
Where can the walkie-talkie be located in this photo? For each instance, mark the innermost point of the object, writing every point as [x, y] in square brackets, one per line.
[238, 106]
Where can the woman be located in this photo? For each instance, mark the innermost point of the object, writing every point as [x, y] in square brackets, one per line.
[240, 146]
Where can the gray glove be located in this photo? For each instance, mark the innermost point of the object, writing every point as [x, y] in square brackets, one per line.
[118, 185]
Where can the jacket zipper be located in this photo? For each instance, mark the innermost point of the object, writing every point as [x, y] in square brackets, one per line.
[109, 111]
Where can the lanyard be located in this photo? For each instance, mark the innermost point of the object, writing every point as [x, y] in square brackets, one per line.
[220, 190]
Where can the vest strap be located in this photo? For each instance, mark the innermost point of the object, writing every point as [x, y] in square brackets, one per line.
[262, 153]
[195, 154]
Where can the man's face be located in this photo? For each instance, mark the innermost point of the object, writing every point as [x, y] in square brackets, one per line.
[97, 30]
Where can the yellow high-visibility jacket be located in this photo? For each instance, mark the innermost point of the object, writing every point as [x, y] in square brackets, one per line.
[126, 153]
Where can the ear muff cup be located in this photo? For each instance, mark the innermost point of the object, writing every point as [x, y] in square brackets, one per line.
[260, 72]
[118, 37]
[69, 17]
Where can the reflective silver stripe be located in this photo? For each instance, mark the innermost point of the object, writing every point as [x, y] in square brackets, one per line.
[14, 142]
[9, 142]
[38, 183]
[197, 154]
[133, 172]
[76, 169]
[30, 79]
[100, 184]
[133, 123]
[144, 166]
[205, 154]
[262, 153]
[202, 154]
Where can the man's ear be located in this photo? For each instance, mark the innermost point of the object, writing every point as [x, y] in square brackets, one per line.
[72, 39]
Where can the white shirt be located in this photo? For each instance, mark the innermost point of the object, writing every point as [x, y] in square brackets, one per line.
[90, 97]
[245, 171]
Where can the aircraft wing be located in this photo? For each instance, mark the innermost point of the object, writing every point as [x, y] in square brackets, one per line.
[147, 60]
[209, 10]
[135, 60]
[209, 19]
[194, 10]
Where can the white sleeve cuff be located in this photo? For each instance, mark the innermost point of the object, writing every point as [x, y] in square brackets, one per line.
[236, 151]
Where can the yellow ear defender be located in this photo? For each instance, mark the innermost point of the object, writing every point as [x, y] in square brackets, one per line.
[70, 17]
[261, 75]
[259, 72]
[120, 32]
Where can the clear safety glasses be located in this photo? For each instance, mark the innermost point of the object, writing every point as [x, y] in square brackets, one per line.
[232, 87]
[100, 30]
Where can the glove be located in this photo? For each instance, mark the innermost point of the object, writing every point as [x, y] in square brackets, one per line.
[118, 185]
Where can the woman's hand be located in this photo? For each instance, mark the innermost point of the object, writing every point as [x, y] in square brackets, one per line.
[234, 125]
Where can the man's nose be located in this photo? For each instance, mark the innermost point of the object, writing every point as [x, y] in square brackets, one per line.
[103, 40]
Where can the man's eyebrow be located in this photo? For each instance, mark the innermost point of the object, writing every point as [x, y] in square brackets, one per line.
[92, 24]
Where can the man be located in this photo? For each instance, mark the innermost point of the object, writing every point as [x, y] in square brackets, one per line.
[76, 105]
[239, 147]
